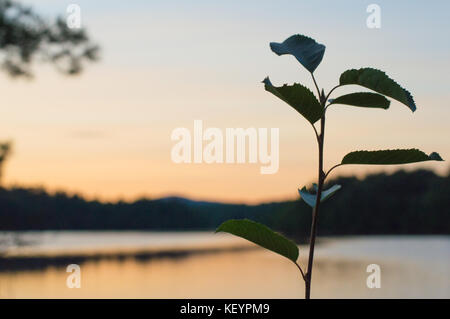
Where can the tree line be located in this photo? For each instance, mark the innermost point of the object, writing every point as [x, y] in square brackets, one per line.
[415, 202]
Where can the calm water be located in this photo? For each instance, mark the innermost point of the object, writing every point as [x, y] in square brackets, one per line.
[130, 265]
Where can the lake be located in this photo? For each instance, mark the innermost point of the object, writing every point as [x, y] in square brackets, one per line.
[207, 265]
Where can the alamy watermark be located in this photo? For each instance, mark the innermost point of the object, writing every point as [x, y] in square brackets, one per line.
[74, 279]
[374, 279]
[73, 20]
[374, 19]
[212, 145]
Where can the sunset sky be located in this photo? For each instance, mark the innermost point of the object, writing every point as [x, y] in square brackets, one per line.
[106, 134]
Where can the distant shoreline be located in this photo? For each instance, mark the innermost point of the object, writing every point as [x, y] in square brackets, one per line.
[404, 202]
[42, 261]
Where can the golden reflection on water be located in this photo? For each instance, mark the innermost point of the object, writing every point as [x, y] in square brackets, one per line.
[245, 274]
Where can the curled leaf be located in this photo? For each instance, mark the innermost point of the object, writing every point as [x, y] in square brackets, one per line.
[306, 50]
[310, 199]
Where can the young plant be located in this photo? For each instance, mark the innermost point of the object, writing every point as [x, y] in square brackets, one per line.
[310, 53]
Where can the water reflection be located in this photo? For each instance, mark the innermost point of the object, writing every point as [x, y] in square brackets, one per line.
[340, 272]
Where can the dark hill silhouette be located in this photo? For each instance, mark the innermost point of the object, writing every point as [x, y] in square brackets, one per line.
[415, 202]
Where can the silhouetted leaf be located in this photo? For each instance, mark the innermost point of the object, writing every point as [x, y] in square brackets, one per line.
[262, 236]
[306, 50]
[388, 157]
[363, 99]
[299, 97]
[310, 199]
[379, 82]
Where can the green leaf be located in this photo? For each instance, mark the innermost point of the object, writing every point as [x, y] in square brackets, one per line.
[306, 50]
[329, 192]
[262, 236]
[363, 99]
[310, 199]
[379, 82]
[389, 157]
[299, 97]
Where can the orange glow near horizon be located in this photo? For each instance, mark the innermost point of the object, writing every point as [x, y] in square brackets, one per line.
[61, 142]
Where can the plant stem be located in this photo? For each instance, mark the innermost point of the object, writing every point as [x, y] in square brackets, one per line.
[315, 213]
[315, 83]
[301, 271]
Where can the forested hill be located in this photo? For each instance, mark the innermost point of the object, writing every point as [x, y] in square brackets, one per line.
[415, 202]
